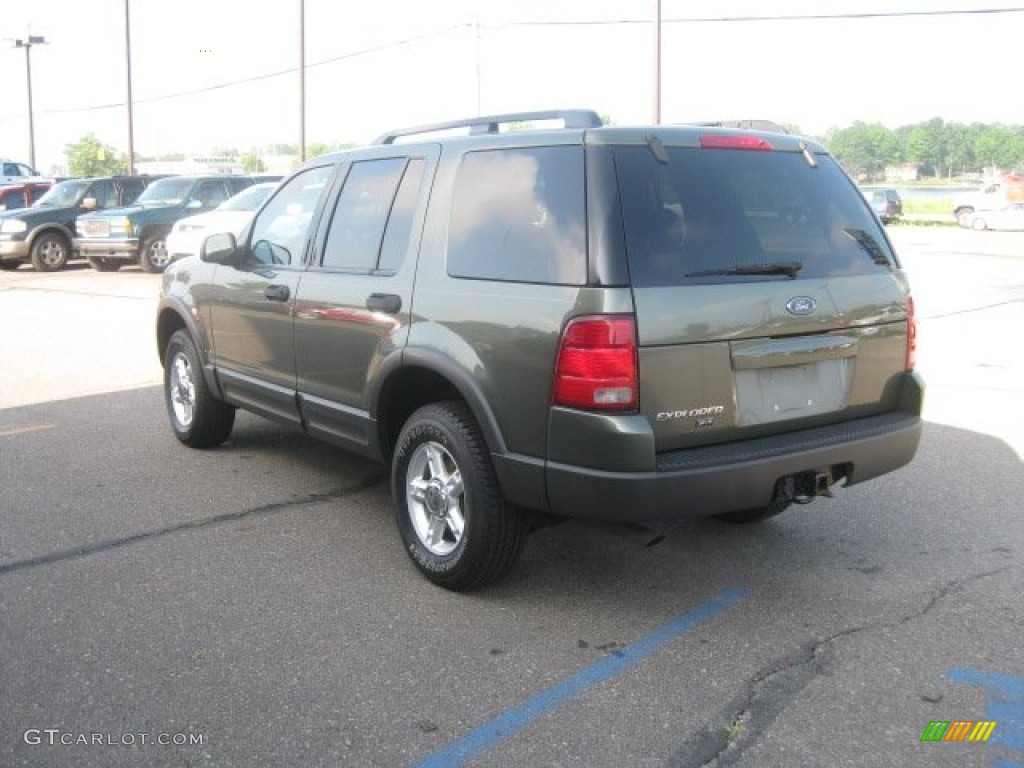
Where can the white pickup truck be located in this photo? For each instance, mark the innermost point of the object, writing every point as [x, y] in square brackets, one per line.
[997, 193]
[12, 172]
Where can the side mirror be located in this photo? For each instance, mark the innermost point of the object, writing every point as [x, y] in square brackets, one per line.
[219, 249]
[194, 205]
[89, 204]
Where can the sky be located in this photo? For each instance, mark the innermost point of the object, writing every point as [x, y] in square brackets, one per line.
[224, 73]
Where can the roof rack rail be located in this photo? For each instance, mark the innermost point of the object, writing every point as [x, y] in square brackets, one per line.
[752, 125]
[571, 118]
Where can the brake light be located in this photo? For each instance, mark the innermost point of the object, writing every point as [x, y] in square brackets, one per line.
[911, 334]
[597, 367]
[738, 141]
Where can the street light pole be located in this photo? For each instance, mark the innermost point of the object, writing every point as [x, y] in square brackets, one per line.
[27, 44]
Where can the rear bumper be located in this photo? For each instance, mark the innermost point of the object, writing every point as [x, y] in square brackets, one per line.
[726, 478]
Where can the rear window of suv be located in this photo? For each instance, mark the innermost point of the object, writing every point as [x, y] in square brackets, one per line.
[715, 215]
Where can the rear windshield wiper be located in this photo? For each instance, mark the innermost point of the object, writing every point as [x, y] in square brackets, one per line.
[788, 268]
[869, 244]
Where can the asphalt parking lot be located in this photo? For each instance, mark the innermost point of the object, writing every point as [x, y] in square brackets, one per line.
[251, 605]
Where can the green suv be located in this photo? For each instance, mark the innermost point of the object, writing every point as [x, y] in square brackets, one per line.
[43, 234]
[627, 324]
[138, 233]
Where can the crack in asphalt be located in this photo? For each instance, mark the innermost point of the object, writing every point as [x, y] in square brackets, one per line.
[229, 517]
[770, 691]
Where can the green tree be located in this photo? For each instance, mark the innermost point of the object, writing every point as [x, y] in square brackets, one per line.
[317, 148]
[91, 157]
[864, 149]
[927, 143]
[252, 162]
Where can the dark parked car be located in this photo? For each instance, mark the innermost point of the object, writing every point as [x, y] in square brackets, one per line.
[887, 204]
[44, 232]
[608, 322]
[138, 233]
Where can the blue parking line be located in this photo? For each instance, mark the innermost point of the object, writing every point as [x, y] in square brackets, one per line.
[510, 722]
[1005, 705]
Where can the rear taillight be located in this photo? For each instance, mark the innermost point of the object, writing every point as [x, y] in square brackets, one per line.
[911, 334]
[730, 141]
[597, 368]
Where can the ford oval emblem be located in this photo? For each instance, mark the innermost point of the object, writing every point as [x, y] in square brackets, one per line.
[801, 305]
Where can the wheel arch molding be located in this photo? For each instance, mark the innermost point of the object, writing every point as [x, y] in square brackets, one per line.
[173, 315]
[420, 376]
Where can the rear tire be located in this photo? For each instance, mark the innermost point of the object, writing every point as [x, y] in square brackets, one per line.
[50, 252]
[198, 419]
[456, 527]
[101, 264]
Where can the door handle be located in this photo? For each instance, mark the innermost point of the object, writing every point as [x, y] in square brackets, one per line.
[277, 292]
[384, 302]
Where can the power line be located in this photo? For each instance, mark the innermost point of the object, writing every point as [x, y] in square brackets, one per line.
[513, 24]
[266, 75]
[790, 17]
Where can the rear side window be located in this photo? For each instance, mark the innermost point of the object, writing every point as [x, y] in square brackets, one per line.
[711, 215]
[519, 215]
[355, 237]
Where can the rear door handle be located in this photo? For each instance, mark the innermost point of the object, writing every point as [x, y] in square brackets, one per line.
[384, 302]
[277, 292]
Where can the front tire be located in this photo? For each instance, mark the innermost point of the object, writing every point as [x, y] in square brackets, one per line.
[198, 419]
[154, 257]
[49, 252]
[456, 527]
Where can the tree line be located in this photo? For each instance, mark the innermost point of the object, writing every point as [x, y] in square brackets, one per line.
[89, 156]
[944, 150]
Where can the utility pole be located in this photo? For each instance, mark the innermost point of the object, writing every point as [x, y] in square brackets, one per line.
[657, 62]
[302, 81]
[27, 44]
[128, 69]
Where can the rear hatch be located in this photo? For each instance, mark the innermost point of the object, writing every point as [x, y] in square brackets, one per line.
[767, 296]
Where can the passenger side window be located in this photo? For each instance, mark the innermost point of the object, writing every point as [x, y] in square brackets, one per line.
[282, 229]
[357, 225]
[104, 194]
[519, 215]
